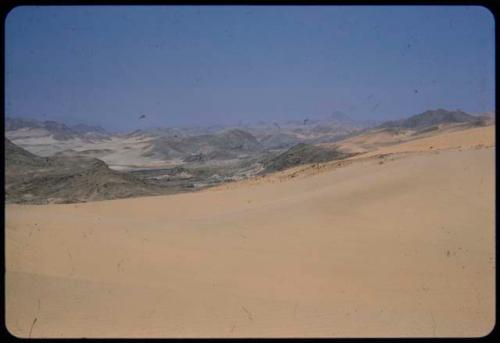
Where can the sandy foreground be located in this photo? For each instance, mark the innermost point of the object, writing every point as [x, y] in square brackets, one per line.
[401, 245]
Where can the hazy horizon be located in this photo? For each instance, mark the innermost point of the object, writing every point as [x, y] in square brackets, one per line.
[220, 65]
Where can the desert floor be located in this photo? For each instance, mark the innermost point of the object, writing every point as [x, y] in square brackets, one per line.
[398, 245]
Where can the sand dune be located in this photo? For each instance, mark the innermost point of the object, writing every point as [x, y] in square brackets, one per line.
[383, 141]
[399, 248]
[466, 139]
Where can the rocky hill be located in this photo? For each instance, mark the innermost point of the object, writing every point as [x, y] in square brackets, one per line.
[302, 154]
[16, 157]
[228, 143]
[433, 117]
[34, 179]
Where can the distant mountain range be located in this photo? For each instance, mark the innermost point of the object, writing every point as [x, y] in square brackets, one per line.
[226, 144]
[66, 163]
[58, 130]
[335, 118]
[215, 142]
[341, 117]
[435, 117]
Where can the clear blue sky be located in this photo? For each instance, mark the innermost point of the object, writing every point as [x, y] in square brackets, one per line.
[221, 64]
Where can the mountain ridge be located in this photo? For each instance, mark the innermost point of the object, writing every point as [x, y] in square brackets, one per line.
[432, 117]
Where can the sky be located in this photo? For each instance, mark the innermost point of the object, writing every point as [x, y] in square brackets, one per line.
[203, 65]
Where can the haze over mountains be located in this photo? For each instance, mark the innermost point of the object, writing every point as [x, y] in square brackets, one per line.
[140, 147]
[436, 117]
[27, 128]
[166, 160]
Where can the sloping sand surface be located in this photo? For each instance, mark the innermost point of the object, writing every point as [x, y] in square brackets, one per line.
[378, 142]
[470, 138]
[402, 248]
